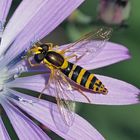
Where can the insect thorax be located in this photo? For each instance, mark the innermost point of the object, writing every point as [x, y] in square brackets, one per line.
[54, 58]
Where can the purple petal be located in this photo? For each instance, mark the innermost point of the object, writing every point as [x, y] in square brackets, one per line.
[28, 68]
[40, 110]
[24, 12]
[24, 127]
[110, 54]
[120, 92]
[35, 82]
[49, 16]
[24, 66]
[3, 132]
[4, 9]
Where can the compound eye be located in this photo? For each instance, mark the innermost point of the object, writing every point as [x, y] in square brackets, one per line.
[39, 57]
[45, 47]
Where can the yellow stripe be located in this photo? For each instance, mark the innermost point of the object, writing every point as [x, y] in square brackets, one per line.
[65, 65]
[95, 88]
[89, 80]
[80, 76]
[101, 88]
[97, 81]
[71, 73]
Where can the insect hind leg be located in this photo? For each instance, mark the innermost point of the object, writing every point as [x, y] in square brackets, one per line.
[72, 56]
[81, 92]
[76, 57]
[74, 87]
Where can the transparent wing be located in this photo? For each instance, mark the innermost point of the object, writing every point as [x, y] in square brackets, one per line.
[65, 101]
[90, 45]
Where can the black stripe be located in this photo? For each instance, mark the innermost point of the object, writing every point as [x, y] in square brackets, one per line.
[100, 83]
[85, 78]
[76, 73]
[68, 69]
[92, 82]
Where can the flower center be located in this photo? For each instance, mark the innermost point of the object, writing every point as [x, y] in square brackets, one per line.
[7, 76]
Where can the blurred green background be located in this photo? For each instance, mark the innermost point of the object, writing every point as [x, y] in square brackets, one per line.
[113, 122]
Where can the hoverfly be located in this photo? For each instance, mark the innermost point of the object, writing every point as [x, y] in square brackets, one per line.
[58, 60]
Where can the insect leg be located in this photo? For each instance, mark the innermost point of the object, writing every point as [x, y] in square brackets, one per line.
[31, 64]
[65, 80]
[80, 91]
[50, 45]
[71, 56]
[73, 87]
[76, 57]
[46, 86]
[28, 55]
[50, 78]
[84, 94]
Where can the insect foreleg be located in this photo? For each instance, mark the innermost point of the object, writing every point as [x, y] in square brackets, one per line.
[28, 55]
[31, 64]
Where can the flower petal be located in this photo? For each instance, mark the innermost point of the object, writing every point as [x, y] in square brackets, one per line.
[120, 92]
[48, 17]
[24, 66]
[35, 82]
[110, 54]
[3, 132]
[4, 9]
[24, 127]
[41, 111]
[26, 10]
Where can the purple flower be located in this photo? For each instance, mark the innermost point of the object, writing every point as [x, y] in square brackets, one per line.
[32, 21]
[114, 12]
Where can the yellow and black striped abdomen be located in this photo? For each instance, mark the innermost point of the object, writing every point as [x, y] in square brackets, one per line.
[84, 78]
